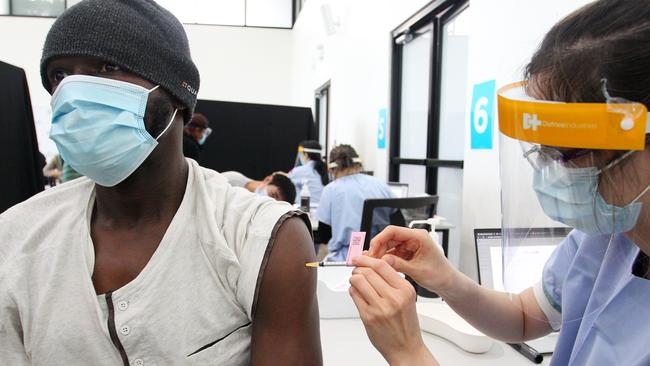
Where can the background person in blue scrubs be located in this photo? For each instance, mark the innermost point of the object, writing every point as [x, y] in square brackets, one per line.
[595, 286]
[341, 204]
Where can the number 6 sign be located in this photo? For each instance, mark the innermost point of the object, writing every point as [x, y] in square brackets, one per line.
[482, 115]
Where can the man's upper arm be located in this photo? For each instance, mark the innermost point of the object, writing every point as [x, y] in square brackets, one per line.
[286, 321]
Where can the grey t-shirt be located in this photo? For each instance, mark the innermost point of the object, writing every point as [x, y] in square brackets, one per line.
[193, 303]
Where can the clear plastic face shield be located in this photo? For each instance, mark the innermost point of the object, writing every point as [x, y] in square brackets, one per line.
[565, 165]
[300, 157]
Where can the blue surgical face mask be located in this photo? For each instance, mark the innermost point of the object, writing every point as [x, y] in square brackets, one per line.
[299, 160]
[570, 196]
[98, 127]
[262, 191]
[203, 138]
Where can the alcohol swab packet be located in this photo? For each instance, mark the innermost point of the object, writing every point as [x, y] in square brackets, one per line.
[356, 246]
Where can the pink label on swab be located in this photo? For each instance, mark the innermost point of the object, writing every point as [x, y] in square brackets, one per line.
[356, 246]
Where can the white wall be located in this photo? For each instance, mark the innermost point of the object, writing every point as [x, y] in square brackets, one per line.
[250, 65]
[236, 64]
[502, 40]
[357, 61]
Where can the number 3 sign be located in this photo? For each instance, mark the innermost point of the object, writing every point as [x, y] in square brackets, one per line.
[482, 115]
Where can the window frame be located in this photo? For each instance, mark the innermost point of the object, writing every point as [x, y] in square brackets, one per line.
[436, 14]
[293, 12]
[323, 90]
[296, 7]
[11, 12]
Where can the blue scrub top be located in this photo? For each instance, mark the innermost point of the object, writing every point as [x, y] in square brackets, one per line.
[605, 309]
[308, 173]
[341, 206]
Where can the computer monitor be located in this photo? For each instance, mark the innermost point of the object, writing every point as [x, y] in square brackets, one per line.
[539, 242]
[401, 190]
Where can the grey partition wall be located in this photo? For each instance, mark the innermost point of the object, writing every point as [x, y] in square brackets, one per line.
[254, 139]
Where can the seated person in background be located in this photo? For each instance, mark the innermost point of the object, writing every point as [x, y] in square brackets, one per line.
[341, 204]
[194, 135]
[58, 170]
[310, 168]
[149, 259]
[54, 169]
[69, 173]
[277, 185]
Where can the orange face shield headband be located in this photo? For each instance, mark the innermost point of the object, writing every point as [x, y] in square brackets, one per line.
[615, 125]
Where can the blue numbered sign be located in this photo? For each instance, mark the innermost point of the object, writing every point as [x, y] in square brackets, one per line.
[381, 129]
[482, 115]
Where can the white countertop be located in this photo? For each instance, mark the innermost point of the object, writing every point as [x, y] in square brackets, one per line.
[345, 342]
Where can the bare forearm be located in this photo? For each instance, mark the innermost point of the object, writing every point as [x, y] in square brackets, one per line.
[500, 315]
[421, 358]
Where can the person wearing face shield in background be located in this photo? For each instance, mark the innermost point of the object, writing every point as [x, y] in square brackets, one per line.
[148, 259]
[194, 135]
[573, 146]
[310, 168]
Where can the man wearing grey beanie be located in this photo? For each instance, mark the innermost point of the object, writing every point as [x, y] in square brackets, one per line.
[149, 259]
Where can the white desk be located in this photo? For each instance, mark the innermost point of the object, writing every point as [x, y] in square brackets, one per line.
[345, 342]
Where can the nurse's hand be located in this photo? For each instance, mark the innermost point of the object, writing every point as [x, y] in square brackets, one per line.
[386, 303]
[413, 252]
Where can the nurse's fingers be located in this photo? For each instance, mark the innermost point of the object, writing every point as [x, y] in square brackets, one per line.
[383, 269]
[365, 289]
[359, 302]
[393, 236]
[383, 289]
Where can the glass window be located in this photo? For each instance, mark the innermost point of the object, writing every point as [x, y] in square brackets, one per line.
[258, 13]
[222, 12]
[453, 93]
[269, 13]
[415, 176]
[73, 2]
[38, 8]
[414, 111]
[429, 91]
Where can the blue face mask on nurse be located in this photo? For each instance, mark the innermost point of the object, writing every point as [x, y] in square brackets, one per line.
[570, 194]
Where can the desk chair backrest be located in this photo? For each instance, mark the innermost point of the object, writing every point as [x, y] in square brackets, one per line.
[397, 218]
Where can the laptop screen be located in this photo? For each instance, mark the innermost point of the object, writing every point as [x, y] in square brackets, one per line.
[539, 244]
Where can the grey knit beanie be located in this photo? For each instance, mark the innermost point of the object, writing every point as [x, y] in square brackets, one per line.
[138, 35]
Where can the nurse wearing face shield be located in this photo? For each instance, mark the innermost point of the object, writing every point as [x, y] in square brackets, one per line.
[573, 151]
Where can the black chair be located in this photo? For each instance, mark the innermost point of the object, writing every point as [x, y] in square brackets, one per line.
[397, 218]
